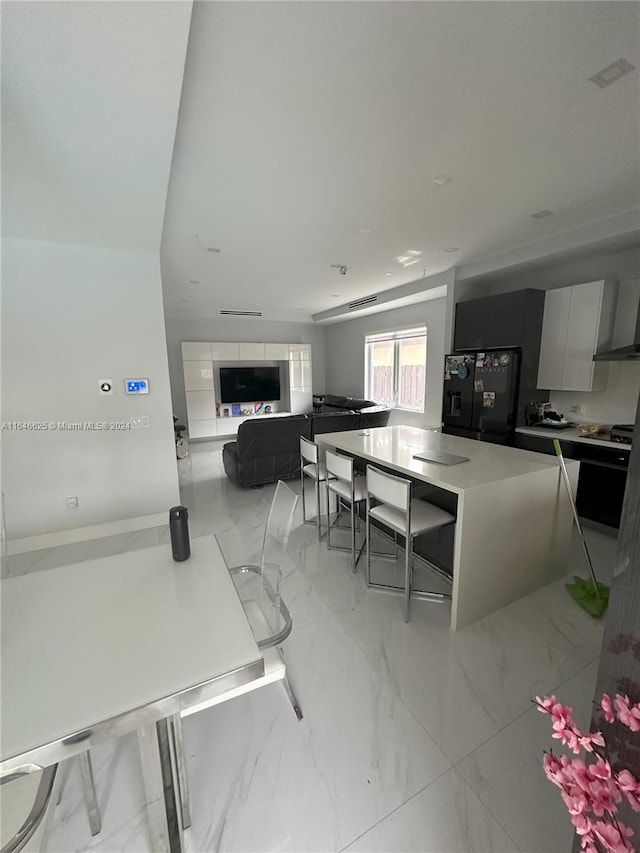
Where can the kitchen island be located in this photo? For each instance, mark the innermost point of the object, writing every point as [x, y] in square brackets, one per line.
[513, 518]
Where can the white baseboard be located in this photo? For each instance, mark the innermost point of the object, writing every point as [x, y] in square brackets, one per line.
[83, 534]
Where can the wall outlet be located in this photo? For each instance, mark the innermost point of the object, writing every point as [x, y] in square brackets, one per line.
[577, 409]
[140, 422]
[72, 501]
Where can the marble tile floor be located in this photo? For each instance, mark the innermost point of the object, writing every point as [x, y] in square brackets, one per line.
[414, 738]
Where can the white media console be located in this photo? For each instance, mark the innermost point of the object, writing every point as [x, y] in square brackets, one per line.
[201, 361]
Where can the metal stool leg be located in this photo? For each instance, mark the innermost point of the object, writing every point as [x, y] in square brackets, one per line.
[89, 790]
[408, 554]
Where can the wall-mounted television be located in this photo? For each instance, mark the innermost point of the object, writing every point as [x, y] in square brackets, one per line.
[249, 384]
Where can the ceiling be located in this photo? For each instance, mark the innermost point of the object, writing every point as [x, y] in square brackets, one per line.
[90, 97]
[309, 135]
[302, 123]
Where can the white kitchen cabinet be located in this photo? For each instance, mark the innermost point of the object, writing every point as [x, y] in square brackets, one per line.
[226, 351]
[198, 375]
[578, 322]
[276, 352]
[553, 342]
[251, 352]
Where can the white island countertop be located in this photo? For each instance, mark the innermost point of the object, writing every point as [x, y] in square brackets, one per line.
[513, 518]
[395, 447]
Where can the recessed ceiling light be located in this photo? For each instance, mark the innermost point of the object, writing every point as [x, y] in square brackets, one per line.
[451, 249]
[540, 214]
[413, 252]
[363, 231]
[612, 73]
[388, 273]
[335, 295]
[441, 180]
[410, 262]
[213, 251]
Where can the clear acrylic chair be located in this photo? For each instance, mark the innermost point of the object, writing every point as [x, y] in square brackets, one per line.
[258, 586]
[259, 583]
[13, 805]
[349, 489]
[396, 511]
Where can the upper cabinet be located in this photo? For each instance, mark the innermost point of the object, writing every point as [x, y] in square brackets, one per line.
[501, 321]
[578, 322]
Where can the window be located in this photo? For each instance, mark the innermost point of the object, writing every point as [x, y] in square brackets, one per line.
[395, 365]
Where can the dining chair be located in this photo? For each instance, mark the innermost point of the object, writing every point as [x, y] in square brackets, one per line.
[41, 800]
[348, 488]
[259, 584]
[268, 617]
[311, 467]
[396, 511]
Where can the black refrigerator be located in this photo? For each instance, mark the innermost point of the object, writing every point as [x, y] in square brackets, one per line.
[480, 397]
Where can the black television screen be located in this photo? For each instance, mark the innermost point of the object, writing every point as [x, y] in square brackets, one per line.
[249, 384]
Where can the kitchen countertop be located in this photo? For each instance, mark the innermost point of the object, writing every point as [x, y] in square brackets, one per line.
[572, 434]
[395, 446]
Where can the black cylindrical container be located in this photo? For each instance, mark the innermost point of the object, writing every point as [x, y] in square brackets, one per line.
[179, 528]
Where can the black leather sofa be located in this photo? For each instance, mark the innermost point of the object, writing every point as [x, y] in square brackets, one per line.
[268, 449]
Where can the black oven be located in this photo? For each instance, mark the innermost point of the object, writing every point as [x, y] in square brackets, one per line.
[602, 482]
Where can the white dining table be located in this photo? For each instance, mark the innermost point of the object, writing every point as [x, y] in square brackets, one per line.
[97, 649]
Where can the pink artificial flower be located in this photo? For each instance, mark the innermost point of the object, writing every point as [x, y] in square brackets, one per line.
[607, 708]
[614, 838]
[576, 804]
[603, 797]
[601, 769]
[627, 781]
[546, 703]
[562, 716]
[590, 740]
[583, 825]
[627, 713]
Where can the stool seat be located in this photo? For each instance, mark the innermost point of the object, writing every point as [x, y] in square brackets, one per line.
[344, 489]
[424, 517]
[316, 472]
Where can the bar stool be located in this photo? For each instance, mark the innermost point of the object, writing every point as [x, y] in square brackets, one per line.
[315, 470]
[398, 512]
[348, 488]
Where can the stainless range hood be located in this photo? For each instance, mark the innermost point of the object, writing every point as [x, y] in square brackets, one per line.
[631, 352]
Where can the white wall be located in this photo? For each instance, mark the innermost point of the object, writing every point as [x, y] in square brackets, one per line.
[73, 315]
[345, 355]
[186, 327]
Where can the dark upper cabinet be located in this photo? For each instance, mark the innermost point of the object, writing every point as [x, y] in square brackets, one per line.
[505, 320]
